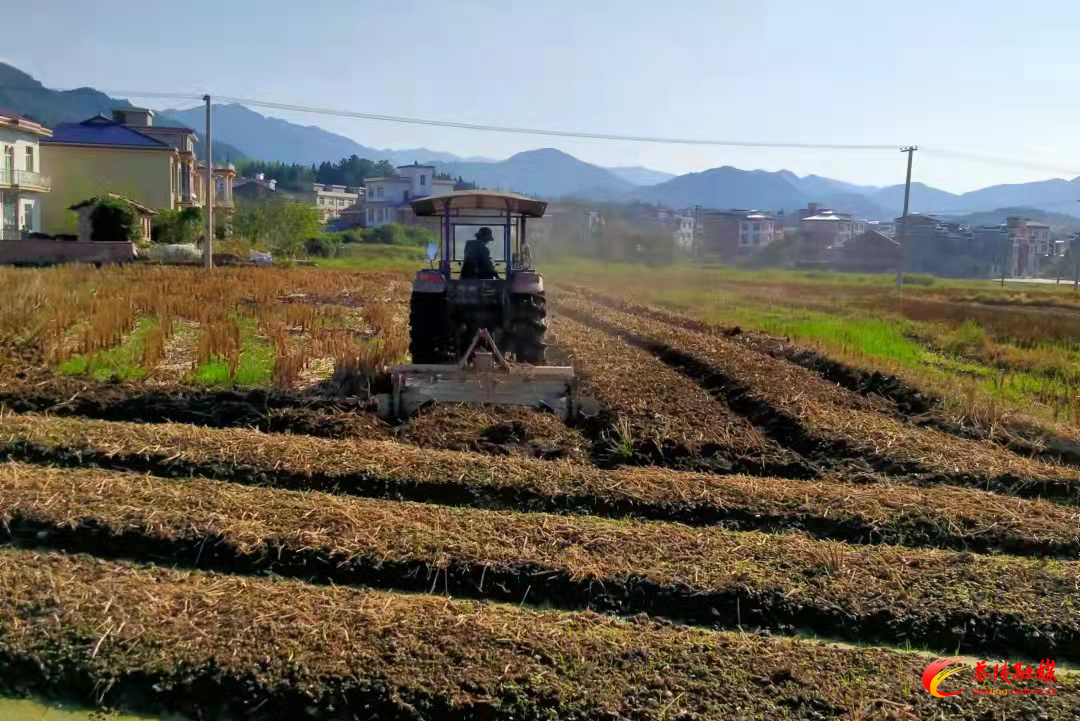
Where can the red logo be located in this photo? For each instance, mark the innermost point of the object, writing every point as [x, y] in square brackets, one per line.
[937, 672]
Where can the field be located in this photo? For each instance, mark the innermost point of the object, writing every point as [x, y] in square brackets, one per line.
[785, 495]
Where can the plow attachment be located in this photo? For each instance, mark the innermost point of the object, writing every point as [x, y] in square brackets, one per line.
[482, 376]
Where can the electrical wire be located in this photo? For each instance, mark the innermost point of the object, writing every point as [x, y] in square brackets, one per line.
[507, 129]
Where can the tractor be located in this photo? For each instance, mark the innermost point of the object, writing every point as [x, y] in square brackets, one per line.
[479, 339]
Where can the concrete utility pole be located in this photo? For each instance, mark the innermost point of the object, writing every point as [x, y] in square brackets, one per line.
[903, 222]
[208, 203]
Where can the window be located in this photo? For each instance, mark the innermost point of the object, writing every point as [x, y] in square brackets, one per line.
[28, 217]
[423, 180]
[30, 158]
[370, 216]
[757, 226]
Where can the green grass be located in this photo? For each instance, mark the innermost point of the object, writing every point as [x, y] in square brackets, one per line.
[254, 368]
[122, 362]
[375, 256]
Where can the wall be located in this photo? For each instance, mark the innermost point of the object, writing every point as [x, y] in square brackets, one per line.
[79, 173]
[21, 141]
[61, 251]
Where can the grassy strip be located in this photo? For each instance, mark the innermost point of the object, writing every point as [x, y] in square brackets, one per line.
[872, 513]
[122, 362]
[655, 415]
[933, 598]
[817, 418]
[273, 650]
[254, 367]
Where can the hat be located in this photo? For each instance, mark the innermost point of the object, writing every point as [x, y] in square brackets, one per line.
[484, 234]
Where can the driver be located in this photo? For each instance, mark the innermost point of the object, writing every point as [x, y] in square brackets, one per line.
[477, 262]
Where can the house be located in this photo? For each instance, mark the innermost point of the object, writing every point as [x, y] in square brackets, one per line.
[951, 249]
[332, 199]
[684, 230]
[868, 252]
[821, 229]
[386, 199]
[23, 187]
[728, 235]
[127, 155]
[1030, 245]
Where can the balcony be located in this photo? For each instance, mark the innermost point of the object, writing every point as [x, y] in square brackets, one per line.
[24, 180]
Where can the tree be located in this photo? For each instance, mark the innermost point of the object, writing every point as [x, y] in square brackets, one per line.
[177, 226]
[281, 226]
[114, 219]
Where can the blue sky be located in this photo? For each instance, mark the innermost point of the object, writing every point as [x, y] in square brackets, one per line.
[984, 76]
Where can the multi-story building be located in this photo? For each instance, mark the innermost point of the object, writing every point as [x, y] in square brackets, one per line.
[1030, 245]
[386, 199]
[684, 230]
[727, 235]
[332, 199]
[127, 155]
[821, 229]
[22, 184]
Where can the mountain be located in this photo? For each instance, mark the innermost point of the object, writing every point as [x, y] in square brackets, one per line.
[1054, 195]
[1058, 221]
[24, 95]
[725, 187]
[266, 138]
[924, 199]
[821, 186]
[547, 173]
[638, 175]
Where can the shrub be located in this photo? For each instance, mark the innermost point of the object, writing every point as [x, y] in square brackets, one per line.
[177, 227]
[395, 234]
[924, 280]
[114, 219]
[324, 245]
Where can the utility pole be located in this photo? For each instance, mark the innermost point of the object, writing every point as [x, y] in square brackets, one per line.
[208, 203]
[910, 150]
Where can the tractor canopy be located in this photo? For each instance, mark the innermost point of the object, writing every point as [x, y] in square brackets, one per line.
[464, 200]
[468, 214]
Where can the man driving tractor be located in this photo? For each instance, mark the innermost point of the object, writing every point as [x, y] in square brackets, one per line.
[477, 262]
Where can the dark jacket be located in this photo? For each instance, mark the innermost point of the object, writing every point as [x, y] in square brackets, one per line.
[477, 262]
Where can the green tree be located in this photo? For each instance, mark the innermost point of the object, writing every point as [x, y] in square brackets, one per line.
[113, 219]
[281, 226]
[177, 226]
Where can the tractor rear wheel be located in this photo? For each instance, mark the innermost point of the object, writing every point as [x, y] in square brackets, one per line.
[431, 336]
[528, 323]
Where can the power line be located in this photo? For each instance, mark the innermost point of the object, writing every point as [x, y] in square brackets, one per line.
[507, 129]
[1001, 160]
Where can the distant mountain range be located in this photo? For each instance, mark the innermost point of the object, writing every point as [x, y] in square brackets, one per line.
[265, 138]
[240, 132]
[25, 95]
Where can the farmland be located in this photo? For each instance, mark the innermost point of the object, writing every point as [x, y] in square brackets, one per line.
[754, 516]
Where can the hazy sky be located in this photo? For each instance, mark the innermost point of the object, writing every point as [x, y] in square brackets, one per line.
[977, 75]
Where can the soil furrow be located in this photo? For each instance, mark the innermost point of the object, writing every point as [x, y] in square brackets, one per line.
[941, 516]
[212, 646]
[823, 423]
[699, 576]
[777, 425]
[266, 410]
[651, 415]
[904, 401]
